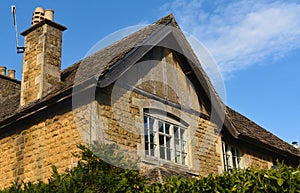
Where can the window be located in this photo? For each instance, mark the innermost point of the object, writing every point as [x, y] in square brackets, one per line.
[165, 140]
[231, 157]
[275, 164]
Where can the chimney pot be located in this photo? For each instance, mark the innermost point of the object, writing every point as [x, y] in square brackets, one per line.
[295, 144]
[49, 14]
[3, 70]
[38, 15]
[11, 73]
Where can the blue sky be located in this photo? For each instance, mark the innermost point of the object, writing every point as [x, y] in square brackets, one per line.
[255, 44]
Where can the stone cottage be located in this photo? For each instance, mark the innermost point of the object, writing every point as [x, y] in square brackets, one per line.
[147, 93]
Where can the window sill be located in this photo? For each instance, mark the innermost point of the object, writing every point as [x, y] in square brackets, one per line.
[169, 165]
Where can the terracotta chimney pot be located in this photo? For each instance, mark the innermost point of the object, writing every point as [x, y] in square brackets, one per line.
[49, 14]
[11, 73]
[3, 70]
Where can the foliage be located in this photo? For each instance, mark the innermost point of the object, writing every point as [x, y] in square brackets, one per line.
[283, 179]
[92, 174]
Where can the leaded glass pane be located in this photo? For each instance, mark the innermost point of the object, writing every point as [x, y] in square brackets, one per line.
[160, 126]
[176, 134]
[162, 152]
[167, 128]
[165, 140]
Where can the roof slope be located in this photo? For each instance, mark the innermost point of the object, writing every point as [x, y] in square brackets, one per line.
[9, 96]
[249, 129]
[9, 106]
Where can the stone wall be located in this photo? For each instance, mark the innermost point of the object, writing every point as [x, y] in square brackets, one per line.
[256, 159]
[28, 151]
[208, 151]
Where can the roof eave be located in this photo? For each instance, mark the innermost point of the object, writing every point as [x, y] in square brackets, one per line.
[270, 148]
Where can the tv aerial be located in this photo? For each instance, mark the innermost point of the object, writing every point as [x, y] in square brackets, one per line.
[20, 49]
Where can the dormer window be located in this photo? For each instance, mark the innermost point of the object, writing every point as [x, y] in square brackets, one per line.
[165, 138]
[232, 157]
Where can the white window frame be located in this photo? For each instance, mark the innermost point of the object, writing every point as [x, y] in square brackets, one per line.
[232, 157]
[162, 145]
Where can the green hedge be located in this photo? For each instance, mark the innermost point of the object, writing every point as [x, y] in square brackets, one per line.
[283, 179]
[95, 175]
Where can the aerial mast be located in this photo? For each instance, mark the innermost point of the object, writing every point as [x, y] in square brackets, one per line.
[20, 49]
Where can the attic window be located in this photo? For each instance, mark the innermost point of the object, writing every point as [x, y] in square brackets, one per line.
[232, 157]
[165, 138]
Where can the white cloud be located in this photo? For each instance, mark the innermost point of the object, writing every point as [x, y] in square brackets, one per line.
[240, 34]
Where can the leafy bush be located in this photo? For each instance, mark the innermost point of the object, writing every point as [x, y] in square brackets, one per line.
[283, 179]
[92, 174]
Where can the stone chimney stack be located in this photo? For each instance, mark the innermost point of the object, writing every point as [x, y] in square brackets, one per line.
[42, 57]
